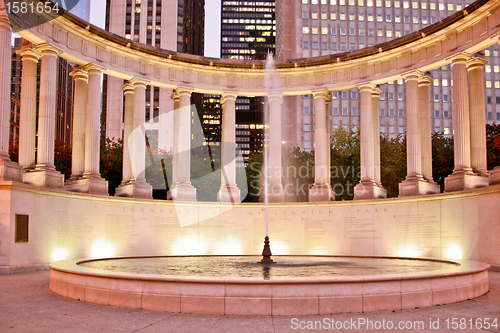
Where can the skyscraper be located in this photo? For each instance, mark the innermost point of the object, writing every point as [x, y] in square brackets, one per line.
[310, 28]
[167, 24]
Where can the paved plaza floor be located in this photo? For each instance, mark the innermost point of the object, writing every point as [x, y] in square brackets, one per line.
[27, 305]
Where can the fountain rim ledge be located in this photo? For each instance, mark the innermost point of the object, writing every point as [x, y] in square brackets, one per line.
[457, 268]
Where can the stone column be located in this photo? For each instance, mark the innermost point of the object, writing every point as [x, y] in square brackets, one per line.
[368, 188]
[274, 147]
[175, 159]
[128, 90]
[27, 121]
[463, 176]
[79, 123]
[8, 169]
[479, 161]
[91, 180]
[376, 137]
[228, 192]
[182, 189]
[45, 173]
[414, 184]
[137, 187]
[425, 126]
[321, 190]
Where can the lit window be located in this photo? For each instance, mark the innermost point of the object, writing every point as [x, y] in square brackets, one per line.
[388, 3]
[436, 98]
[370, 18]
[444, 82]
[324, 31]
[398, 33]
[388, 33]
[305, 30]
[323, 2]
[488, 84]
[379, 18]
[397, 19]
[333, 16]
[315, 31]
[333, 2]
[369, 3]
[414, 5]
[497, 85]
[415, 19]
[388, 18]
[380, 33]
[406, 4]
[323, 16]
[400, 82]
[423, 5]
[450, 6]
[441, 6]
[379, 3]
[496, 68]
[314, 2]
[352, 2]
[424, 19]
[459, 8]
[361, 32]
[342, 16]
[487, 69]
[314, 16]
[342, 2]
[436, 82]
[351, 17]
[360, 3]
[396, 4]
[446, 131]
[304, 2]
[433, 6]
[361, 18]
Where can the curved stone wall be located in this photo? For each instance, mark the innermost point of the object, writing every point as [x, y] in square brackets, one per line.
[468, 31]
[65, 225]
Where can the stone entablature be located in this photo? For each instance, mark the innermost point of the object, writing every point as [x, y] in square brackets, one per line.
[468, 31]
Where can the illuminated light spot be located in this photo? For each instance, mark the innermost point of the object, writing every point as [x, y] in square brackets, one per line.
[102, 249]
[453, 251]
[230, 247]
[188, 245]
[60, 254]
[409, 250]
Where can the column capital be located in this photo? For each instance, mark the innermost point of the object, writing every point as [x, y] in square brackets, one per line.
[228, 96]
[328, 98]
[366, 86]
[425, 80]
[175, 95]
[80, 74]
[138, 82]
[275, 97]
[412, 75]
[459, 58]
[128, 88]
[93, 68]
[29, 53]
[476, 62]
[46, 48]
[319, 93]
[376, 92]
[4, 18]
[183, 91]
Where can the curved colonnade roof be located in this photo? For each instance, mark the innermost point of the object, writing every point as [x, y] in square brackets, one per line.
[462, 34]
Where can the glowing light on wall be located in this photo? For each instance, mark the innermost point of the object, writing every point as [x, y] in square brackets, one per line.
[102, 249]
[278, 248]
[188, 245]
[453, 251]
[409, 250]
[60, 254]
[230, 247]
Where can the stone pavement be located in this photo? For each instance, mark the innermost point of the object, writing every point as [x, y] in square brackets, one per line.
[27, 305]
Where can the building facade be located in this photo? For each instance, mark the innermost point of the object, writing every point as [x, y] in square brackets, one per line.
[311, 28]
[167, 24]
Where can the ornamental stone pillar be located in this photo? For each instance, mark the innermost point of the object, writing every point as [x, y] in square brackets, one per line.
[424, 106]
[27, 118]
[368, 188]
[45, 174]
[479, 161]
[79, 123]
[273, 168]
[228, 192]
[463, 176]
[321, 190]
[376, 138]
[91, 180]
[175, 165]
[8, 169]
[182, 188]
[136, 186]
[414, 184]
[128, 90]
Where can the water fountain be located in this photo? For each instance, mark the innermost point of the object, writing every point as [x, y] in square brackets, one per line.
[294, 285]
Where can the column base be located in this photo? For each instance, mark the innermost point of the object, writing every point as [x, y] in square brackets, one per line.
[133, 189]
[459, 181]
[276, 194]
[44, 177]
[88, 184]
[10, 171]
[321, 193]
[369, 190]
[495, 176]
[183, 192]
[417, 186]
[230, 194]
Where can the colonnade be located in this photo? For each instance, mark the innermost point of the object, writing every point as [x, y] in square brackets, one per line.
[469, 133]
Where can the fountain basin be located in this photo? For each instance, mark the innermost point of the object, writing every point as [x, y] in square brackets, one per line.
[419, 283]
